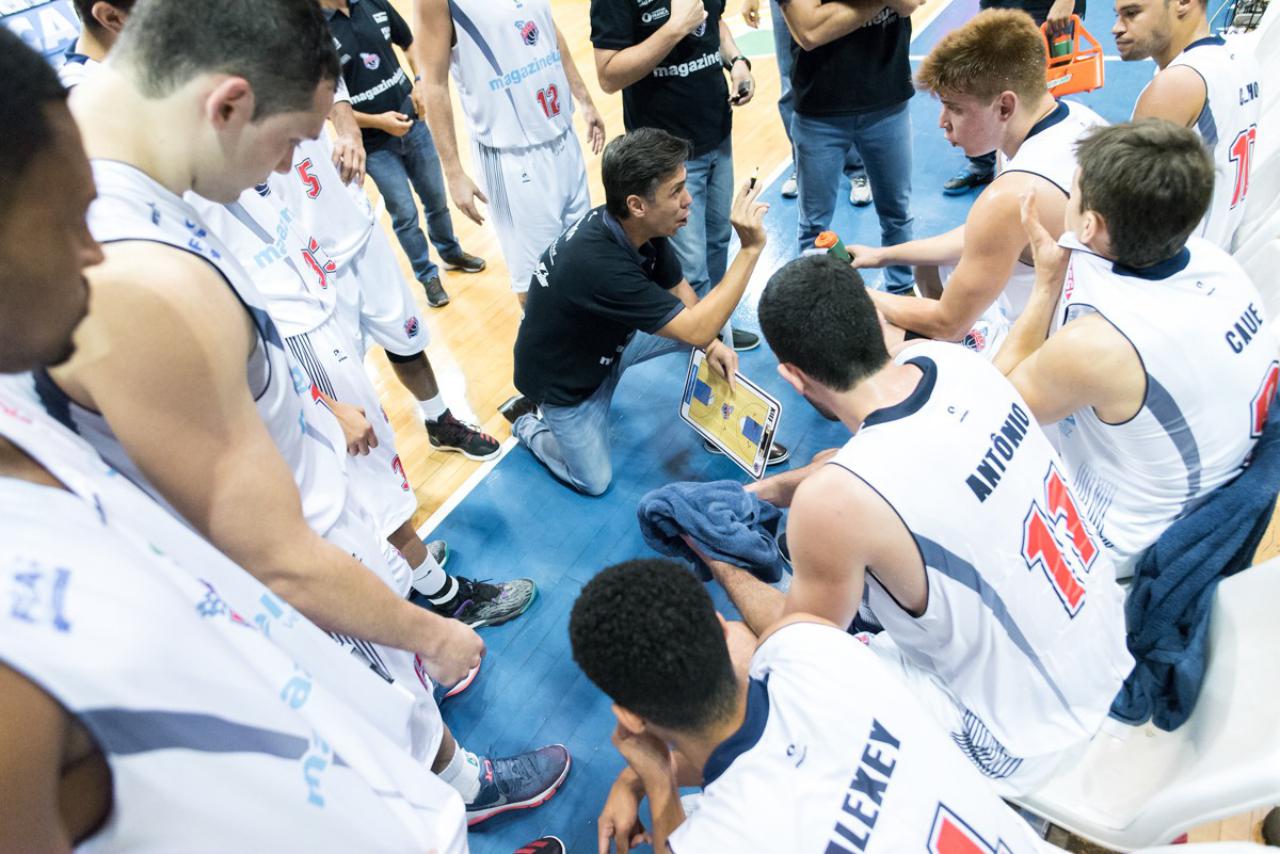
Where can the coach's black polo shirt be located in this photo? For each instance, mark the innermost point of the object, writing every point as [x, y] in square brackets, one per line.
[370, 67]
[590, 293]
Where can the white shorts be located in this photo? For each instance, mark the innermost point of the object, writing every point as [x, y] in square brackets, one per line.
[990, 329]
[1010, 775]
[377, 479]
[375, 304]
[534, 194]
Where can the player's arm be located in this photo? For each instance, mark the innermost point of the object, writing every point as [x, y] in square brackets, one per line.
[945, 248]
[620, 64]
[177, 400]
[993, 240]
[32, 744]
[1086, 363]
[779, 489]
[348, 144]
[1176, 94]
[742, 86]
[1031, 328]
[814, 23]
[582, 96]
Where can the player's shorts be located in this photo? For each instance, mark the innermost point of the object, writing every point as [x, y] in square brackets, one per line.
[534, 194]
[375, 304]
[989, 330]
[377, 479]
[1010, 775]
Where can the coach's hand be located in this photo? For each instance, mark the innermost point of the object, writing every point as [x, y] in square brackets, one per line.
[356, 429]
[464, 193]
[724, 359]
[1049, 258]
[620, 818]
[751, 13]
[686, 15]
[348, 157]
[394, 123]
[747, 216]
[454, 650]
[742, 86]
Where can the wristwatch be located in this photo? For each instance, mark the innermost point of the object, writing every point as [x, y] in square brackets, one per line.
[728, 64]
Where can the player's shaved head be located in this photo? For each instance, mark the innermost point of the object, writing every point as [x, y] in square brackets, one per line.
[647, 634]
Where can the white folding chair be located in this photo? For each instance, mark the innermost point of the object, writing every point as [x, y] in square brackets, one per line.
[1139, 786]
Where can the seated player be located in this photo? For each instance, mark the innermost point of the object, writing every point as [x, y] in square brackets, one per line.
[608, 294]
[816, 747]
[949, 513]
[990, 76]
[1158, 366]
[1205, 83]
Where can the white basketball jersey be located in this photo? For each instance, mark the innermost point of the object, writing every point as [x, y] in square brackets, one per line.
[507, 67]
[1228, 124]
[76, 69]
[1025, 621]
[836, 755]
[214, 738]
[1198, 325]
[289, 267]
[1049, 151]
[337, 215]
[132, 206]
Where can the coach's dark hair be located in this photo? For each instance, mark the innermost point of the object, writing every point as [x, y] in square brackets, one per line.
[635, 163]
[645, 632]
[282, 47]
[30, 85]
[816, 315]
[84, 8]
[1152, 182]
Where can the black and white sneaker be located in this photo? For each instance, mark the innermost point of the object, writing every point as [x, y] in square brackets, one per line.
[464, 261]
[514, 407]
[437, 297]
[744, 340]
[479, 603]
[778, 453]
[518, 782]
[543, 845]
[447, 433]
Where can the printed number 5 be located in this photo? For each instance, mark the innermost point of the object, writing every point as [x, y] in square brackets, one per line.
[311, 182]
[1065, 568]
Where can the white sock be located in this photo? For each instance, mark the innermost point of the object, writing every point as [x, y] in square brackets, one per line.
[432, 409]
[463, 773]
[430, 579]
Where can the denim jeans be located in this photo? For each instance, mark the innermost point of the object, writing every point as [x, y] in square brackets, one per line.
[573, 441]
[412, 159]
[703, 244]
[786, 101]
[884, 139]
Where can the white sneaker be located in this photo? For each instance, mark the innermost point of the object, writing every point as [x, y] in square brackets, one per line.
[789, 188]
[859, 191]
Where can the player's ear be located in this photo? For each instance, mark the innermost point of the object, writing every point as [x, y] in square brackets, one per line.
[1093, 228]
[628, 719]
[1006, 104]
[230, 104]
[794, 377]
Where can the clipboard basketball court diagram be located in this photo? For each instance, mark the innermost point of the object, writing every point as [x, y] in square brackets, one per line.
[740, 423]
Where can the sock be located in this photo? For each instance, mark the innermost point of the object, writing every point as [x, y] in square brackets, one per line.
[434, 408]
[463, 773]
[430, 579]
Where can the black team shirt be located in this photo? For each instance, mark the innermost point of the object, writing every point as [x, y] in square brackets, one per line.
[370, 67]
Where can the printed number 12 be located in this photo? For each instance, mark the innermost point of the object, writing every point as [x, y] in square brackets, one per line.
[549, 99]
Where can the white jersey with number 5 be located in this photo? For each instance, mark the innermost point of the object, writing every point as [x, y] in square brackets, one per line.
[1197, 324]
[836, 755]
[506, 64]
[1228, 124]
[1024, 623]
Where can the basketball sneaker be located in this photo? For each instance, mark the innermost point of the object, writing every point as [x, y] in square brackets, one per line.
[464, 261]
[789, 187]
[542, 845]
[479, 603]
[447, 433]
[441, 693]
[437, 297]
[518, 782]
[778, 453]
[516, 406]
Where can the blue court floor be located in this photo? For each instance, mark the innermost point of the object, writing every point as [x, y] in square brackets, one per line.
[520, 522]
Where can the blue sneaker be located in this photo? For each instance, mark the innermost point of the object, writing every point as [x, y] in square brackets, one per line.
[518, 782]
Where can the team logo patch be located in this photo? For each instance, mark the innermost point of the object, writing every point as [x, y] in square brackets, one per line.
[976, 340]
[700, 30]
[371, 61]
[528, 32]
[411, 327]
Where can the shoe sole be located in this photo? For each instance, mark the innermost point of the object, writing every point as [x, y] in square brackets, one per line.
[754, 346]
[779, 460]
[536, 801]
[860, 204]
[506, 404]
[462, 269]
[464, 684]
[455, 450]
[480, 624]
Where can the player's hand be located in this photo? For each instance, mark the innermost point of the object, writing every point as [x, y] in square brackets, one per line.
[453, 651]
[1049, 258]
[686, 15]
[865, 256]
[747, 216]
[620, 818]
[356, 429]
[394, 123]
[464, 193]
[751, 13]
[724, 359]
[904, 8]
[648, 755]
[348, 157]
[742, 86]
[595, 126]
[1059, 17]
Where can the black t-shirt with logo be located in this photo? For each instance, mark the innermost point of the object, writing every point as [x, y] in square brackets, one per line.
[686, 93]
[370, 68]
[861, 72]
[591, 292]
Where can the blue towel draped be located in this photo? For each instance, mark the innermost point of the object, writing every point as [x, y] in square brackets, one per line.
[727, 522]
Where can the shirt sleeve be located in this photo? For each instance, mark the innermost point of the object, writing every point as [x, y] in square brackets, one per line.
[401, 35]
[613, 24]
[667, 271]
[629, 296]
[340, 93]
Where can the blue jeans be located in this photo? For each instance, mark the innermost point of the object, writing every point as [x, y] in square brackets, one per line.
[573, 441]
[412, 159]
[703, 244]
[786, 101]
[884, 139]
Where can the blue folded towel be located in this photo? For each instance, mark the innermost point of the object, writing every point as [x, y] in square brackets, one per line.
[727, 522]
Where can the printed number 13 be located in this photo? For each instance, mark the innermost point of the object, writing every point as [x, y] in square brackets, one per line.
[549, 100]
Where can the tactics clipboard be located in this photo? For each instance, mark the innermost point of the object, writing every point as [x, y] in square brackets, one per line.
[741, 423]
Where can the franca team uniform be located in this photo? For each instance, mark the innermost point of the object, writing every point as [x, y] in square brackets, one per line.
[1022, 641]
[183, 667]
[836, 755]
[1199, 328]
[1228, 124]
[510, 78]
